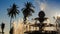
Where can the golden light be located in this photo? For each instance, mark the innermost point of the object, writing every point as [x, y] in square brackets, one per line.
[42, 6]
[48, 20]
[58, 15]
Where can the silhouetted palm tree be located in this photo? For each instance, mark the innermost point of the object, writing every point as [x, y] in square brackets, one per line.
[27, 10]
[11, 30]
[2, 27]
[41, 18]
[12, 12]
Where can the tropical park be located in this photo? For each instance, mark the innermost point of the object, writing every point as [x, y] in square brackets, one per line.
[29, 17]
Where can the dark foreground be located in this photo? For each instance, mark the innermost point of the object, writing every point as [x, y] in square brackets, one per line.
[39, 32]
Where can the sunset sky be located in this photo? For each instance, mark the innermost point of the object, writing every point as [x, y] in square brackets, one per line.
[52, 8]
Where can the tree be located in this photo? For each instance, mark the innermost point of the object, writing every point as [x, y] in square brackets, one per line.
[2, 27]
[41, 18]
[27, 10]
[12, 12]
[11, 30]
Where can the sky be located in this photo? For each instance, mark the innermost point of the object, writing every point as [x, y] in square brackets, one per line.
[51, 9]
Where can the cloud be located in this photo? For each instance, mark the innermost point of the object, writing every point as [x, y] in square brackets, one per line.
[42, 4]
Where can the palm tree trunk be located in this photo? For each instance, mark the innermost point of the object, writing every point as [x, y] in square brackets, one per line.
[10, 22]
[25, 20]
[2, 31]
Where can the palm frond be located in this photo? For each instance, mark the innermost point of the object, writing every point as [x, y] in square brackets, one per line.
[13, 11]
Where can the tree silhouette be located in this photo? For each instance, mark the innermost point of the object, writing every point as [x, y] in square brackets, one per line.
[11, 30]
[12, 12]
[2, 27]
[41, 18]
[27, 10]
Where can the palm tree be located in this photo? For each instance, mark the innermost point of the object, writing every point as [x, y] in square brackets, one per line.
[27, 10]
[11, 30]
[41, 18]
[2, 27]
[12, 12]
